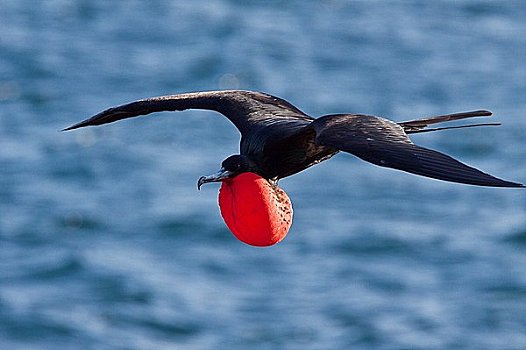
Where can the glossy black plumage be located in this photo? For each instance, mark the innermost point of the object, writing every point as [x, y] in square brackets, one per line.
[280, 140]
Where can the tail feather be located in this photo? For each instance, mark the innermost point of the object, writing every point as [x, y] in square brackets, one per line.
[415, 131]
[420, 125]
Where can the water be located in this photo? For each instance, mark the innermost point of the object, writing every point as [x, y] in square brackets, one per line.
[105, 243]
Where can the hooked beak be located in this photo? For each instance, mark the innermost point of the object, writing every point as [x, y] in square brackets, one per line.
[219, 176]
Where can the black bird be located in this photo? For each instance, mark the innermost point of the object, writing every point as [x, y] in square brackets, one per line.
[279, 140]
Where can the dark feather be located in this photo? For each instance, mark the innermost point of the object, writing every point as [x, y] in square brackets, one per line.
[248, 110]
[281, 140]
[419, 125]
[384, 143]
[451, 127]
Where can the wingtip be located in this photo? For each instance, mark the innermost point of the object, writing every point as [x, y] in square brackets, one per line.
[511, 184]
[67, 129]
[76, 126]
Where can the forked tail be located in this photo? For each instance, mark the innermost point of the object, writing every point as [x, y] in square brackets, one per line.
[421, 125]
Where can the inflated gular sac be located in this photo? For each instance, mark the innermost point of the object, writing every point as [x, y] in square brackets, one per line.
[257, 212]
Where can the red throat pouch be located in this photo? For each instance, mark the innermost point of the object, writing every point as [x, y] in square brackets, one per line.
[257, 212]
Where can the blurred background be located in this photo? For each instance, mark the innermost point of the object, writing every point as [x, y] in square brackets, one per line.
[105, 242]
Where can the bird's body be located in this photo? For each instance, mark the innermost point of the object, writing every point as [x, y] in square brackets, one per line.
[279, 140]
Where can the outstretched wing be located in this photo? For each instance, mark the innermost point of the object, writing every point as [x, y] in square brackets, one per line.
[384, 143]
[245, 109]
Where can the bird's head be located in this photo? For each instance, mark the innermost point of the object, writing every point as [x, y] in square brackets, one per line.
[230, 167]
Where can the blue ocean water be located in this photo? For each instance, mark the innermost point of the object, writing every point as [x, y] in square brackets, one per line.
[105, 242]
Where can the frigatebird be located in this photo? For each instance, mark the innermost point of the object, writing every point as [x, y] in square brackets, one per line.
[279, 140]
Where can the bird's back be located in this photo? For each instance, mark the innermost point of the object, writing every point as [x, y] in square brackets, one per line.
[284, 148]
